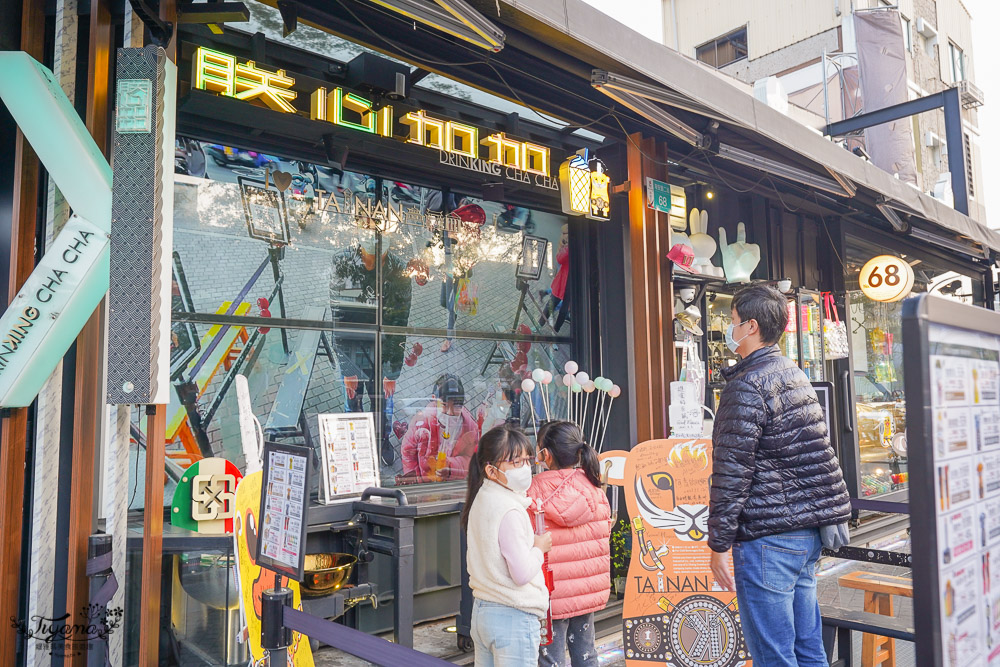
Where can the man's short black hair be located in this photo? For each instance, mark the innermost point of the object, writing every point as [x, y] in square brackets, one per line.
[766, 305]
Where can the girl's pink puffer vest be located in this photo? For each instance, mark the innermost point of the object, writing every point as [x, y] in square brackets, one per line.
[577, 514]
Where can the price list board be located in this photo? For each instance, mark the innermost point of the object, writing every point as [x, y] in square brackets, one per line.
[284, 502]
[952, 381]
[349, 463]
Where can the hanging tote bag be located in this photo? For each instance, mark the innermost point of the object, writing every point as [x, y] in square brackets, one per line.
[834, 331]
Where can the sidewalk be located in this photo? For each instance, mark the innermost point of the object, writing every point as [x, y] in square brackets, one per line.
[434, 639]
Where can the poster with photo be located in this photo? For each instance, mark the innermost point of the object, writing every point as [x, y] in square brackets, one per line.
[987, 475]
[961, 613]
[952, 432]
[348, 451]
[283, 509]
[986, 428]
[955, 483]
[956, 536]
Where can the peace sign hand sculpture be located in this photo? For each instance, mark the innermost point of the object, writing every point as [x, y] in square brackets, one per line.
[738, 259]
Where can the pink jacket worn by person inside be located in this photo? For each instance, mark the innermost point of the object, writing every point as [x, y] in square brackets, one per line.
[578, 516]
[426, 437]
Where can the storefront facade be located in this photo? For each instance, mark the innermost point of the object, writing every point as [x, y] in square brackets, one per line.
[379, 226]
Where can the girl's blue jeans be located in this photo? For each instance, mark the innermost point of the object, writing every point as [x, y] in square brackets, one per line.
[504, 636]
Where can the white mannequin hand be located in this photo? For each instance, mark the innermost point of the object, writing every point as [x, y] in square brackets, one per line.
[738, 259]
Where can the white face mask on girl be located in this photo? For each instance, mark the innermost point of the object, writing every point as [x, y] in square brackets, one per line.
[518, 479]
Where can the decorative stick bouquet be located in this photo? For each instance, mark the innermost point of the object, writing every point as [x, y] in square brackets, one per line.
[579, 388]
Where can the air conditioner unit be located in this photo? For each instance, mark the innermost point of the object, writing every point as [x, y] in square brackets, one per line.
[970, 94]
[926, 30]
[932, 140]
[942, 190]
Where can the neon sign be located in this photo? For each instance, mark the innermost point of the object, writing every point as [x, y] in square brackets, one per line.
[458, 144]
[584, 187]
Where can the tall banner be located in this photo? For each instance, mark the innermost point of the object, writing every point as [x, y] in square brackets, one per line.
[142, 212]
[882, 63]
[675, 612]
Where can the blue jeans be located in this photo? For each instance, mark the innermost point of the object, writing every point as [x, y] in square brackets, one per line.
[776, 588]
[504, 636]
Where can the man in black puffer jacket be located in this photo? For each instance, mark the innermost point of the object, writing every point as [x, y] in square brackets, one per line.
[775, 482]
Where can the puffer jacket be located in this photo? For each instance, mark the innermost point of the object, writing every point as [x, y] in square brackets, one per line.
[774, 469]
[578, 516]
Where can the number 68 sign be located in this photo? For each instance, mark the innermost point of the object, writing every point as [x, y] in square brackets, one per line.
[886, 278]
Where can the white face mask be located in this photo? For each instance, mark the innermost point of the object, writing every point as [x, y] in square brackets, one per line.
[518, 479]
[731, 342]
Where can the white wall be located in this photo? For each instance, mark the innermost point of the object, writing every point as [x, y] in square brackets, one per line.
[643, 16]
[770, 25]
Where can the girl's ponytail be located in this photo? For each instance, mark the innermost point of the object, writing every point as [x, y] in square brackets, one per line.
[590, 464]
[568, 448]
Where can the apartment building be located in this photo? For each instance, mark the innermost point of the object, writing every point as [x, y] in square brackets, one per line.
[787, 50]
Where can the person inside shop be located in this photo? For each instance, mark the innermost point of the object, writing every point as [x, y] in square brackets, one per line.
[441, 438]
[778, 493]
[556, 301]
[578, 515]
[504, 556]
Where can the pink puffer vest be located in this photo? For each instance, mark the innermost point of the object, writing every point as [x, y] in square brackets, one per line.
[577, 514]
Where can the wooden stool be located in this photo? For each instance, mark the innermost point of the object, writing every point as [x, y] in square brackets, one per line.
[879, 588]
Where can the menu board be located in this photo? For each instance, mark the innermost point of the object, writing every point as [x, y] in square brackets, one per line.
[955, 508]
[284, 501]
[349, 464]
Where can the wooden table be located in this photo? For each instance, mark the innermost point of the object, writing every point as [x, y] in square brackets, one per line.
[879, 589]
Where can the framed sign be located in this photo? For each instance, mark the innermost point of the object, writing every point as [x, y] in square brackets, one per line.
[532, 261]
[824, 392]
[264, 207]
[349, 460]
[284, 502]
[952, 383]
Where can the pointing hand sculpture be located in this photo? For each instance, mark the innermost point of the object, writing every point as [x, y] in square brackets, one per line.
[738, 259]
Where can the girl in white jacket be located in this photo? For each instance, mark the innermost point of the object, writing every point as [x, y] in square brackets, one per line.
[504, 555]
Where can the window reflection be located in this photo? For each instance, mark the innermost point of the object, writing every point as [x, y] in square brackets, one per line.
[875, 330]
[341, 271]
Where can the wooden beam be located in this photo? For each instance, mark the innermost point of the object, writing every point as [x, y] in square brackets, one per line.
[152, 527]
[14, 431]
[152, 538]
[640, 301]
[652, 291]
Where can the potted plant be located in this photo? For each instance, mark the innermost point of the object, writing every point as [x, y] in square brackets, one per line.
[621, 552]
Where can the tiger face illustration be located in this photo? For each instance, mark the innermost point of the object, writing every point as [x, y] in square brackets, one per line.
[673, 498]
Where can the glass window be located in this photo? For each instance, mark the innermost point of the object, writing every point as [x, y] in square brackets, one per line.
[876, 338]
[957, 59]
[907, 35]
[724, 50]
[340, 292]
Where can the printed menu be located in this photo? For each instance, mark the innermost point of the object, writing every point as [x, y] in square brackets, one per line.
[349, 465]
[965, 402]
[283, 501]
